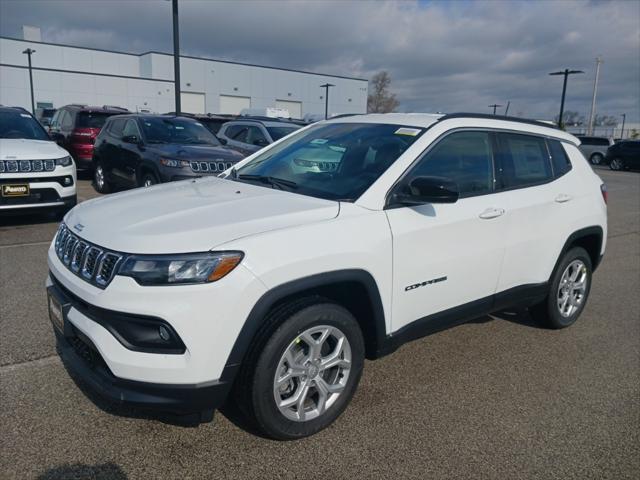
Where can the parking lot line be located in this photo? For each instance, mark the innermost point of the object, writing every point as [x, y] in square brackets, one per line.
[27, 244]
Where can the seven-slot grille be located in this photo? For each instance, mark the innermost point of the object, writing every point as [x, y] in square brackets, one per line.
[15, 166]
[90, 262]
[210, 167]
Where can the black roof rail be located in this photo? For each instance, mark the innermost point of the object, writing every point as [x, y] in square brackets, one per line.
[114, 107]
[490, 116]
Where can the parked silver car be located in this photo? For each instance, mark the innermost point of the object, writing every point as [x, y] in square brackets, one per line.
[594, 149]
[250, 135]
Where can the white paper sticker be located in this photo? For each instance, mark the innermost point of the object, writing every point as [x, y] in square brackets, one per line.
[412, 132]
[25, 115]
[319, 141]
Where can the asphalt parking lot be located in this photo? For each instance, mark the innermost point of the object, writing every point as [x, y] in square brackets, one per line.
[495, 398]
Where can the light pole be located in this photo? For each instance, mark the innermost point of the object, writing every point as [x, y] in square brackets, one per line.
[326, 87]
[624, 118]
[593, 99]
[566, 72]
[176, 55]
[494, 106]
[29, 52]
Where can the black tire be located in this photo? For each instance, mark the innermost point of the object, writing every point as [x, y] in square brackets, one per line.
[616, 164]
[548, 311]
[100, 182]
[148, 179]
[597, 158]
[254, 389]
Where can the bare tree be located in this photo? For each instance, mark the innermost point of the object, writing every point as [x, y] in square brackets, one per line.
[381, 100]
[571, 118]
[605, 121]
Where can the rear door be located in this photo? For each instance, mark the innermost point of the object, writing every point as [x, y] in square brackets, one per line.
[449, 255]
[539, 209]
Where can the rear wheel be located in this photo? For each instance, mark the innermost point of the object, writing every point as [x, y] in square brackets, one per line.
[568, 292]
[616, 164]
[597, 158]
[305, 371]
[100, 182]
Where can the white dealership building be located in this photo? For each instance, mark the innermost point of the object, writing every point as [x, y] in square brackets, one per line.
[64, 74]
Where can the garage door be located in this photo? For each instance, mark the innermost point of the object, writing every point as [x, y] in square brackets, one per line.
[233, 105]
[192, 102]
[295, 108]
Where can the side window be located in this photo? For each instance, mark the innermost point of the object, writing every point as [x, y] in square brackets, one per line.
[602, 142]
[66, 121]
[522, 160]
[255, 135]
[116, 128]
[240, 134]
[465, 158]
[56, 118]
[131, 128]
[559, 158]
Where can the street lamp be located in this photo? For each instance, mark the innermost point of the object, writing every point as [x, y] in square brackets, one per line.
[326, 87]
[624, 118]
[29, 52]
[495, 105]
[566, 72]
[176, 55]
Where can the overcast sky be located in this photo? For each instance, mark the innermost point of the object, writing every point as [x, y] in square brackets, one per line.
[442, 56]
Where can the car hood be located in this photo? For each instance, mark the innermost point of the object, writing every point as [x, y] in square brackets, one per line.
[192, 215]
[23, 149]
[195, 152]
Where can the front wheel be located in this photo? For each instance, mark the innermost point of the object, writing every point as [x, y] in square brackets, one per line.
[596, 158]
[148, 179]
[616, 164]
[100, 182]
[306, 372]
[568, 292]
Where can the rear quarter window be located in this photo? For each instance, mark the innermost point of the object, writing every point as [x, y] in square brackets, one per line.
[559, 158]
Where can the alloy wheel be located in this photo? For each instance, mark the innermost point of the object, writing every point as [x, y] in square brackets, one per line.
[312, 373]
[572, 288]
[616, 164]
[99, 177]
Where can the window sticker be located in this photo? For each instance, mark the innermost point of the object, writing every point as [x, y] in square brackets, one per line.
[319, 141]
[178, 127]
[412, 132]
[25, 115]
[199, 124]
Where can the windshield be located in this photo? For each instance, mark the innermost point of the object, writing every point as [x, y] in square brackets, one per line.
[278, 132]
[336, 161]
[177, 130]
[92, 119]
[21, 125]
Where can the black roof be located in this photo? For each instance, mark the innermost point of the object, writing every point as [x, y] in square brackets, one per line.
[6, 108]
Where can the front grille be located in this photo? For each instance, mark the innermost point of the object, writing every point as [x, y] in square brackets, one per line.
[14, 166]
[89, 262]
[65, 181]
[36, 195]
[210, 167]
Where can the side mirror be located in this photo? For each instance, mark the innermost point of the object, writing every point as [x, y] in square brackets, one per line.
[131, 139]
[423, 190]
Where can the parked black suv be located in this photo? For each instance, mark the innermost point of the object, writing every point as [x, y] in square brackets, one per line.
[624, 155]
[75, 128]
[141, 150]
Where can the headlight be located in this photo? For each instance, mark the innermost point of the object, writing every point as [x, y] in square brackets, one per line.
[170, 162]
[64, 161]
[180, 269]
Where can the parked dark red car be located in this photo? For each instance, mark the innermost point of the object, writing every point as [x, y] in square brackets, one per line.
[75, 128]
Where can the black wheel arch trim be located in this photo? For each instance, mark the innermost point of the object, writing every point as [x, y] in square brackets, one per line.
[577, 235]
[276, 294]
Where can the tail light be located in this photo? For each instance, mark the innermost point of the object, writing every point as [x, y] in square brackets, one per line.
[84, 135]
[605, 193]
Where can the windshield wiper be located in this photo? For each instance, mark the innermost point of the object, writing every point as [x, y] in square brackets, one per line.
[273, 181]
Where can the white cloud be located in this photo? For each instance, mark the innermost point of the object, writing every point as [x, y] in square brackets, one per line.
[448, 56]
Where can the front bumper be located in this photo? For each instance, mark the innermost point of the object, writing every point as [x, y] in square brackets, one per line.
[81, 356]
[55, 189]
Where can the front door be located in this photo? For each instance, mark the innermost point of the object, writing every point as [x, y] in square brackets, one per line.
[449, 255]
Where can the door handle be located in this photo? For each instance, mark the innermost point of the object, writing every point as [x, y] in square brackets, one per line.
[492, 213]
[563, 197]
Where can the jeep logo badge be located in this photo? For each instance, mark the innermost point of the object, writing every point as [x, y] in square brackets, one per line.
[78, 227]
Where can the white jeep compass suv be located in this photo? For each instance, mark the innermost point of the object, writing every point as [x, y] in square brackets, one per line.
[35, 173]
[270, 287]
